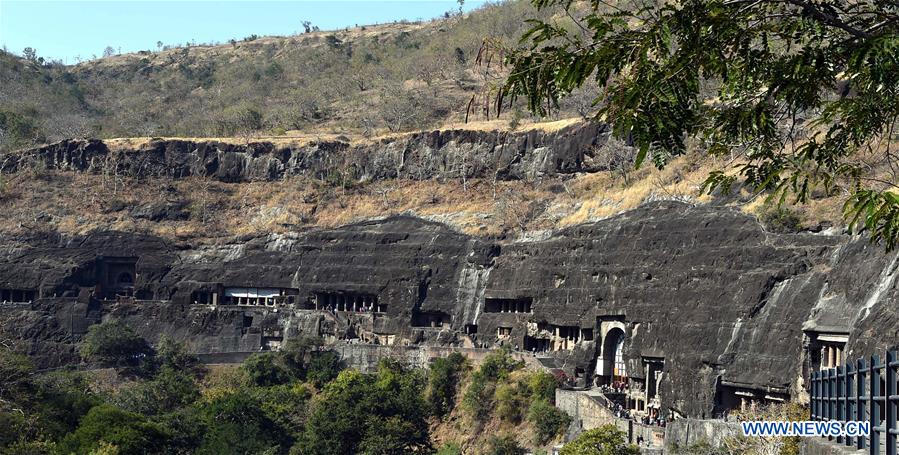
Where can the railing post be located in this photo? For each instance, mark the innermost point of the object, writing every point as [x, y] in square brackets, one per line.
[841, 412]
[834, 397]
[849, 401]
[874, 403]
[860, 397]
[890, 400]
[816, 395]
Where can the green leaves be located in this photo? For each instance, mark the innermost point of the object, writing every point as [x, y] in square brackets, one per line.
[799, 95]
[878, 212]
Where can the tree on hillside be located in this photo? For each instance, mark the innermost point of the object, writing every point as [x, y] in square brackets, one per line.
[109, 51]
[383, 412]
[113, 343]
[803, 95]
[30, 54]
[128, 433]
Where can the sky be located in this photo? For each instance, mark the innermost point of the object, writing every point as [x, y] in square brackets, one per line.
[69, 29]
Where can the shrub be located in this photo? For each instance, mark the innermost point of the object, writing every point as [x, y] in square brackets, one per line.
[498, 365]
[17, 130]
[442, 383]
[298, 352]
[503, 445]
[781, 219]
[510, 403]
[61, 400]
[547, 420]
[323, 368]
[450, 448]
[174, 355]
[478, 398]
[542, 386]
[605, 440]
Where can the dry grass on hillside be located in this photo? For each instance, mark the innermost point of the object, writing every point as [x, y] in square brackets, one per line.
[297, 138]
[202, 208]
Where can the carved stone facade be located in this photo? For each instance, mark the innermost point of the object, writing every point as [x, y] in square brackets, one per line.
[694, 307]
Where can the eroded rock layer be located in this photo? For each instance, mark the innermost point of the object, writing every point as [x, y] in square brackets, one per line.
[702, 299]
[426, 155]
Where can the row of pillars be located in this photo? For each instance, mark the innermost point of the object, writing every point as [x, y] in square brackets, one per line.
[348, 302]
[514, 306]
[564, 338]
[16, 295]
[831, 356]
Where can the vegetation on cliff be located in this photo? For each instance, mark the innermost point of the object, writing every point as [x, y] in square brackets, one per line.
[299, 400]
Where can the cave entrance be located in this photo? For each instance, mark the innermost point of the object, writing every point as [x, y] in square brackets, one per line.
[432, 319]
[611, 364]
[116, 276]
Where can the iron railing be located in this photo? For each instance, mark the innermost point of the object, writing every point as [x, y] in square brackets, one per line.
[865, 390]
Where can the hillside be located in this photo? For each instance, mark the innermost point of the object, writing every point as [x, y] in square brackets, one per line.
[487, 181]
[362, 88]
[366, 80]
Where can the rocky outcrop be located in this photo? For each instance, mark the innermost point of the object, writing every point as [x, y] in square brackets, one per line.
[725, 305]
[420, 156]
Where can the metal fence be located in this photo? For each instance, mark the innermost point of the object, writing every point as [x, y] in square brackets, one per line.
[864, 391]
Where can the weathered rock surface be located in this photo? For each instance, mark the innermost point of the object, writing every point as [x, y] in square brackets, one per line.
[725, 303]
[426, 155]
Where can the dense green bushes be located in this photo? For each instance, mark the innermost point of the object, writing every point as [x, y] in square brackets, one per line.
[376, 413]
[130, 433]
[548, 421]
[446, 373]
[298, 400]
[605, 440]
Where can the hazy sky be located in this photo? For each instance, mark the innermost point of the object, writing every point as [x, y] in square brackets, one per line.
[69, 28]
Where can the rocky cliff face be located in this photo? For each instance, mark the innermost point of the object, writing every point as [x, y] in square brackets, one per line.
[426, 155]
[726, 305]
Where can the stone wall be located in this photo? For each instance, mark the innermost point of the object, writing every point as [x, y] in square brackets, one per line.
[687, 432]
[365, 357]
[587, 412]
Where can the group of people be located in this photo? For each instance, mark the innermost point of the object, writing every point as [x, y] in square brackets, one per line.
[653, 420]
[362, 309]
[615, 387]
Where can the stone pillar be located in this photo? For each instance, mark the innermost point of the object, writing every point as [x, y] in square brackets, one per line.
[646, 384]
